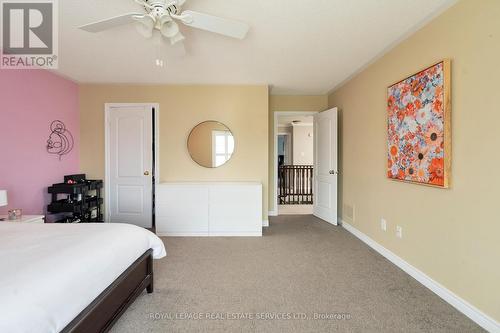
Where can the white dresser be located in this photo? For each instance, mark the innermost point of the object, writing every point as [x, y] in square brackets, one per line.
[209, 209]
[24, 219]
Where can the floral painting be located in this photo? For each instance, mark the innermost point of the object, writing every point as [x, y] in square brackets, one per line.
[418, 128]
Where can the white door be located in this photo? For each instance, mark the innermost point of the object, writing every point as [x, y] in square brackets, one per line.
[130, 164]
[325, 165]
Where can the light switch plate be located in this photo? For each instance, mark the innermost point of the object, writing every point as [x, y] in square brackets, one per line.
[383, 224]
[399, 231]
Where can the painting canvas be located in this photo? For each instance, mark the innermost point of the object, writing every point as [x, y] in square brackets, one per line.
[419, 127]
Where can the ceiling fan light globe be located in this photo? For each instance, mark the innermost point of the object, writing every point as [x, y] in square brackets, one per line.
[177, 38]
[145, 25]
[164, 19]
[169, 29]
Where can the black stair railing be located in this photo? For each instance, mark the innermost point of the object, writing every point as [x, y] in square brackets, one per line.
[295, 184]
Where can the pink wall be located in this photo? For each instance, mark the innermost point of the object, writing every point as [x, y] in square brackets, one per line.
[29, 101]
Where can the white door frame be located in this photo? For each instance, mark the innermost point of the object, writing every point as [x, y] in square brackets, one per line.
[156, 166]
[277, 114]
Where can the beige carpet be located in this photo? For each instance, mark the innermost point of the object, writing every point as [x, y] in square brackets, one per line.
[301, 269]
[295, 209]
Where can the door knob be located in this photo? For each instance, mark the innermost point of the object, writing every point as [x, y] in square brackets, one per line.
[146, 173]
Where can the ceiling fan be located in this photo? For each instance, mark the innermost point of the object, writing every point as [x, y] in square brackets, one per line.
[163, 15]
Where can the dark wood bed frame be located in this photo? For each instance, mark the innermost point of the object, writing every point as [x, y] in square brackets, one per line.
[105, 310]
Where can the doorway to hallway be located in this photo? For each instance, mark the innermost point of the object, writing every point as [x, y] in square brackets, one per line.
[295, 159]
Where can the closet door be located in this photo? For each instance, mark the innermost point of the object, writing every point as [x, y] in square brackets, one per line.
[129, 167]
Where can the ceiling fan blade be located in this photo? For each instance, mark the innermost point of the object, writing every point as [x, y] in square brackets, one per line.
[214, 24]
[110, 23]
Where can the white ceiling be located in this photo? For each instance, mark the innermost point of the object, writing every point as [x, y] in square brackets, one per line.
[295, 46]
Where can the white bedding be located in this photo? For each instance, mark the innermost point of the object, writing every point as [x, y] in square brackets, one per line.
[49, 273]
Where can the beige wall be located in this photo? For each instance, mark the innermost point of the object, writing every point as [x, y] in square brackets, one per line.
[282, 103]
[303, 145]
[244, 109]
[451, 235]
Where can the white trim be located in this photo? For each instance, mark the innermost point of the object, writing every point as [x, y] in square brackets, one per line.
[181, 234]
[277, 114]
[107, 108]
[457, 302]
[215, 234]
[265, 223]
[272, 213]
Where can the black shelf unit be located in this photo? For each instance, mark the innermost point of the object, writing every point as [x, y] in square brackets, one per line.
[82, 200]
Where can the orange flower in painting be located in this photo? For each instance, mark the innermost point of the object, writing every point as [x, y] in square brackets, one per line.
[411, 173]
[394, 150]
[417, 88]
[401, 174]
[418, 104]
[405, 89]
[421, 174]
[437, 106]
[436, 171]
[401, 115]
[439, 92]
[411, 110]
[433, 136]
[391, 102]
[420, 154]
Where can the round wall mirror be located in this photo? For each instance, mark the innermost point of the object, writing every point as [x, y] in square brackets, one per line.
[211, 144]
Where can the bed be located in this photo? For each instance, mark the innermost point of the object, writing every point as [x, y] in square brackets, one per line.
[72, 278]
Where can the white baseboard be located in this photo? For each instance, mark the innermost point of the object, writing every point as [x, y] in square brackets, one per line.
[265, 223]
[272, 213]
[458, 303]
[213, 234]
[181, 234]
[237, 234]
